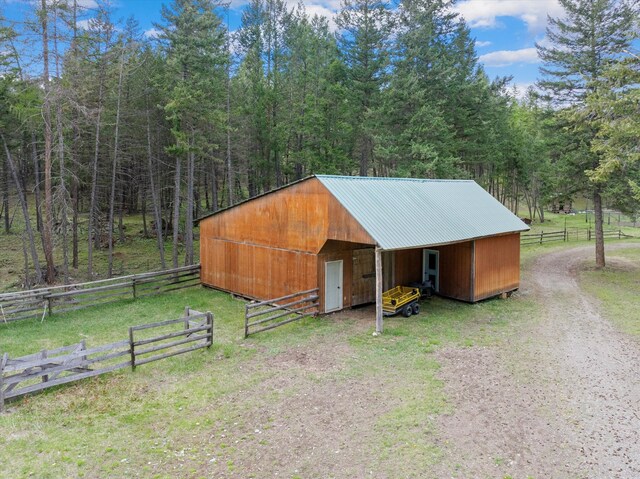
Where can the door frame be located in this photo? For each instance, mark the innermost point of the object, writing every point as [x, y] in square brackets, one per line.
[340, 287]
[425, 266]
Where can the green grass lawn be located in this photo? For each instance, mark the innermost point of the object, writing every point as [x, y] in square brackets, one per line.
[617, 287]
[197, 415]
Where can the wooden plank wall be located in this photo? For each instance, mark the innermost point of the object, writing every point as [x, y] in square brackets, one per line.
[408, 266]
[364, 277]
[497, 265]
[301, 217]
[256, 271]
[266, 247]
[455, 270]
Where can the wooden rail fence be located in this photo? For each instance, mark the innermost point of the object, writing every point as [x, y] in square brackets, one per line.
[573, 234]
[48, 368]
[37, 303]
[286, 308]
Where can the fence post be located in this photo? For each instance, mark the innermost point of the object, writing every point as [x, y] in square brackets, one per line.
[83, 347]
[246, 321]
[186, 317]
[133, 288]
[619, 234]
[541, 235]
[210, 329]
[589, 234]
[3, 362]
[566, 237]
[43, 355]
[49, 307]
[131, 349]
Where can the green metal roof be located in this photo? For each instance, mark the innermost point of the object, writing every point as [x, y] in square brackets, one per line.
[402, 213]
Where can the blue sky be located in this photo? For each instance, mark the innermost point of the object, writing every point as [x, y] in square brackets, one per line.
[505, 30]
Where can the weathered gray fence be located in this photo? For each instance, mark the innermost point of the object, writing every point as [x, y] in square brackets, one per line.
[48, 368]
[59, 299]
[197, 333]
[286, 308]
[569, 234]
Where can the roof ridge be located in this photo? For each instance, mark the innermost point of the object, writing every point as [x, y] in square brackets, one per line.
[392, 178]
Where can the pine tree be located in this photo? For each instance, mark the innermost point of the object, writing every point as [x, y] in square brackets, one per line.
[591, 36]
[194, 44]
[366, 28]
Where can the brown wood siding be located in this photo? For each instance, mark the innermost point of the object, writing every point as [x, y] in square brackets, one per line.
[347, 274]
[255, 271]
[497, 265]
[301, 217]
[408, 266]
[455, 270]
[364, 277]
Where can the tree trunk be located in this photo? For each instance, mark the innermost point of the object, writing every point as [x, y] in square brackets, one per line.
[188, 223]
[36, 174]
[176, 211]
[230, 175]
[214, 188]
[5, 196]
[114, 169]
[597, 210]
[143, 210]
[63, 194]
[47, 230]
[121, 236]
[25, 211]
[91, 230]
[74, 152]
[157, 216]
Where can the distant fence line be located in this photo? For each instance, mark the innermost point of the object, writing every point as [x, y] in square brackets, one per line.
[60, 299]
[53, 367]
[297, 304]
[573, 234]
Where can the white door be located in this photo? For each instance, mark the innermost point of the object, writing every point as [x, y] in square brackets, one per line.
[332, 286]
[430, 267]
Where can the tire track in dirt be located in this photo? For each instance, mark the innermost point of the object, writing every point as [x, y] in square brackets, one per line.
[560, 398]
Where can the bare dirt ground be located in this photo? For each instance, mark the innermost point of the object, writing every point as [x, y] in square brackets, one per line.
[558, 398]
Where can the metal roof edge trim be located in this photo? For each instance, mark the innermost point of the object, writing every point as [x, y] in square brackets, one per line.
[466, 240]
[319, 177]
[393, 178]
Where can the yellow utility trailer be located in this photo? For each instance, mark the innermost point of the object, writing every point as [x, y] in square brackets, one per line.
[401, 299]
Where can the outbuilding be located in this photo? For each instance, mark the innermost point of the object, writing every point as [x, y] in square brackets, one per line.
[353, 237]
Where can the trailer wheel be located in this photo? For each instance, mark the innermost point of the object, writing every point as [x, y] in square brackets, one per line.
[407, 311]
[416, 308]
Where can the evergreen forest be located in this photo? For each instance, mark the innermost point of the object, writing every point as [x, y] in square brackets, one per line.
[98, 121]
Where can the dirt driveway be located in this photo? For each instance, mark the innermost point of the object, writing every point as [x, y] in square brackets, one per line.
[559, 398]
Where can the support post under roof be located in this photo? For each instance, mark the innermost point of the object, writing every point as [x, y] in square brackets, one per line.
[379, 325]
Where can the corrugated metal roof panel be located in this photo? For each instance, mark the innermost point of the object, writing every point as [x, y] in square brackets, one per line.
[409, 213]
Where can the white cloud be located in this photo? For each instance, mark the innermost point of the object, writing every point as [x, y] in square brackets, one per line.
[84, 24]
[152, 33]
[519, 90]
[480, 43]
[504, 58]
[484, 13]
[322, 11]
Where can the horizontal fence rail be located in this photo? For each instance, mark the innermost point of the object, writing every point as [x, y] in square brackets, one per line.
[146, 343]
[197, 333]
[569, 234]
[286, 309]
[37, 303]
